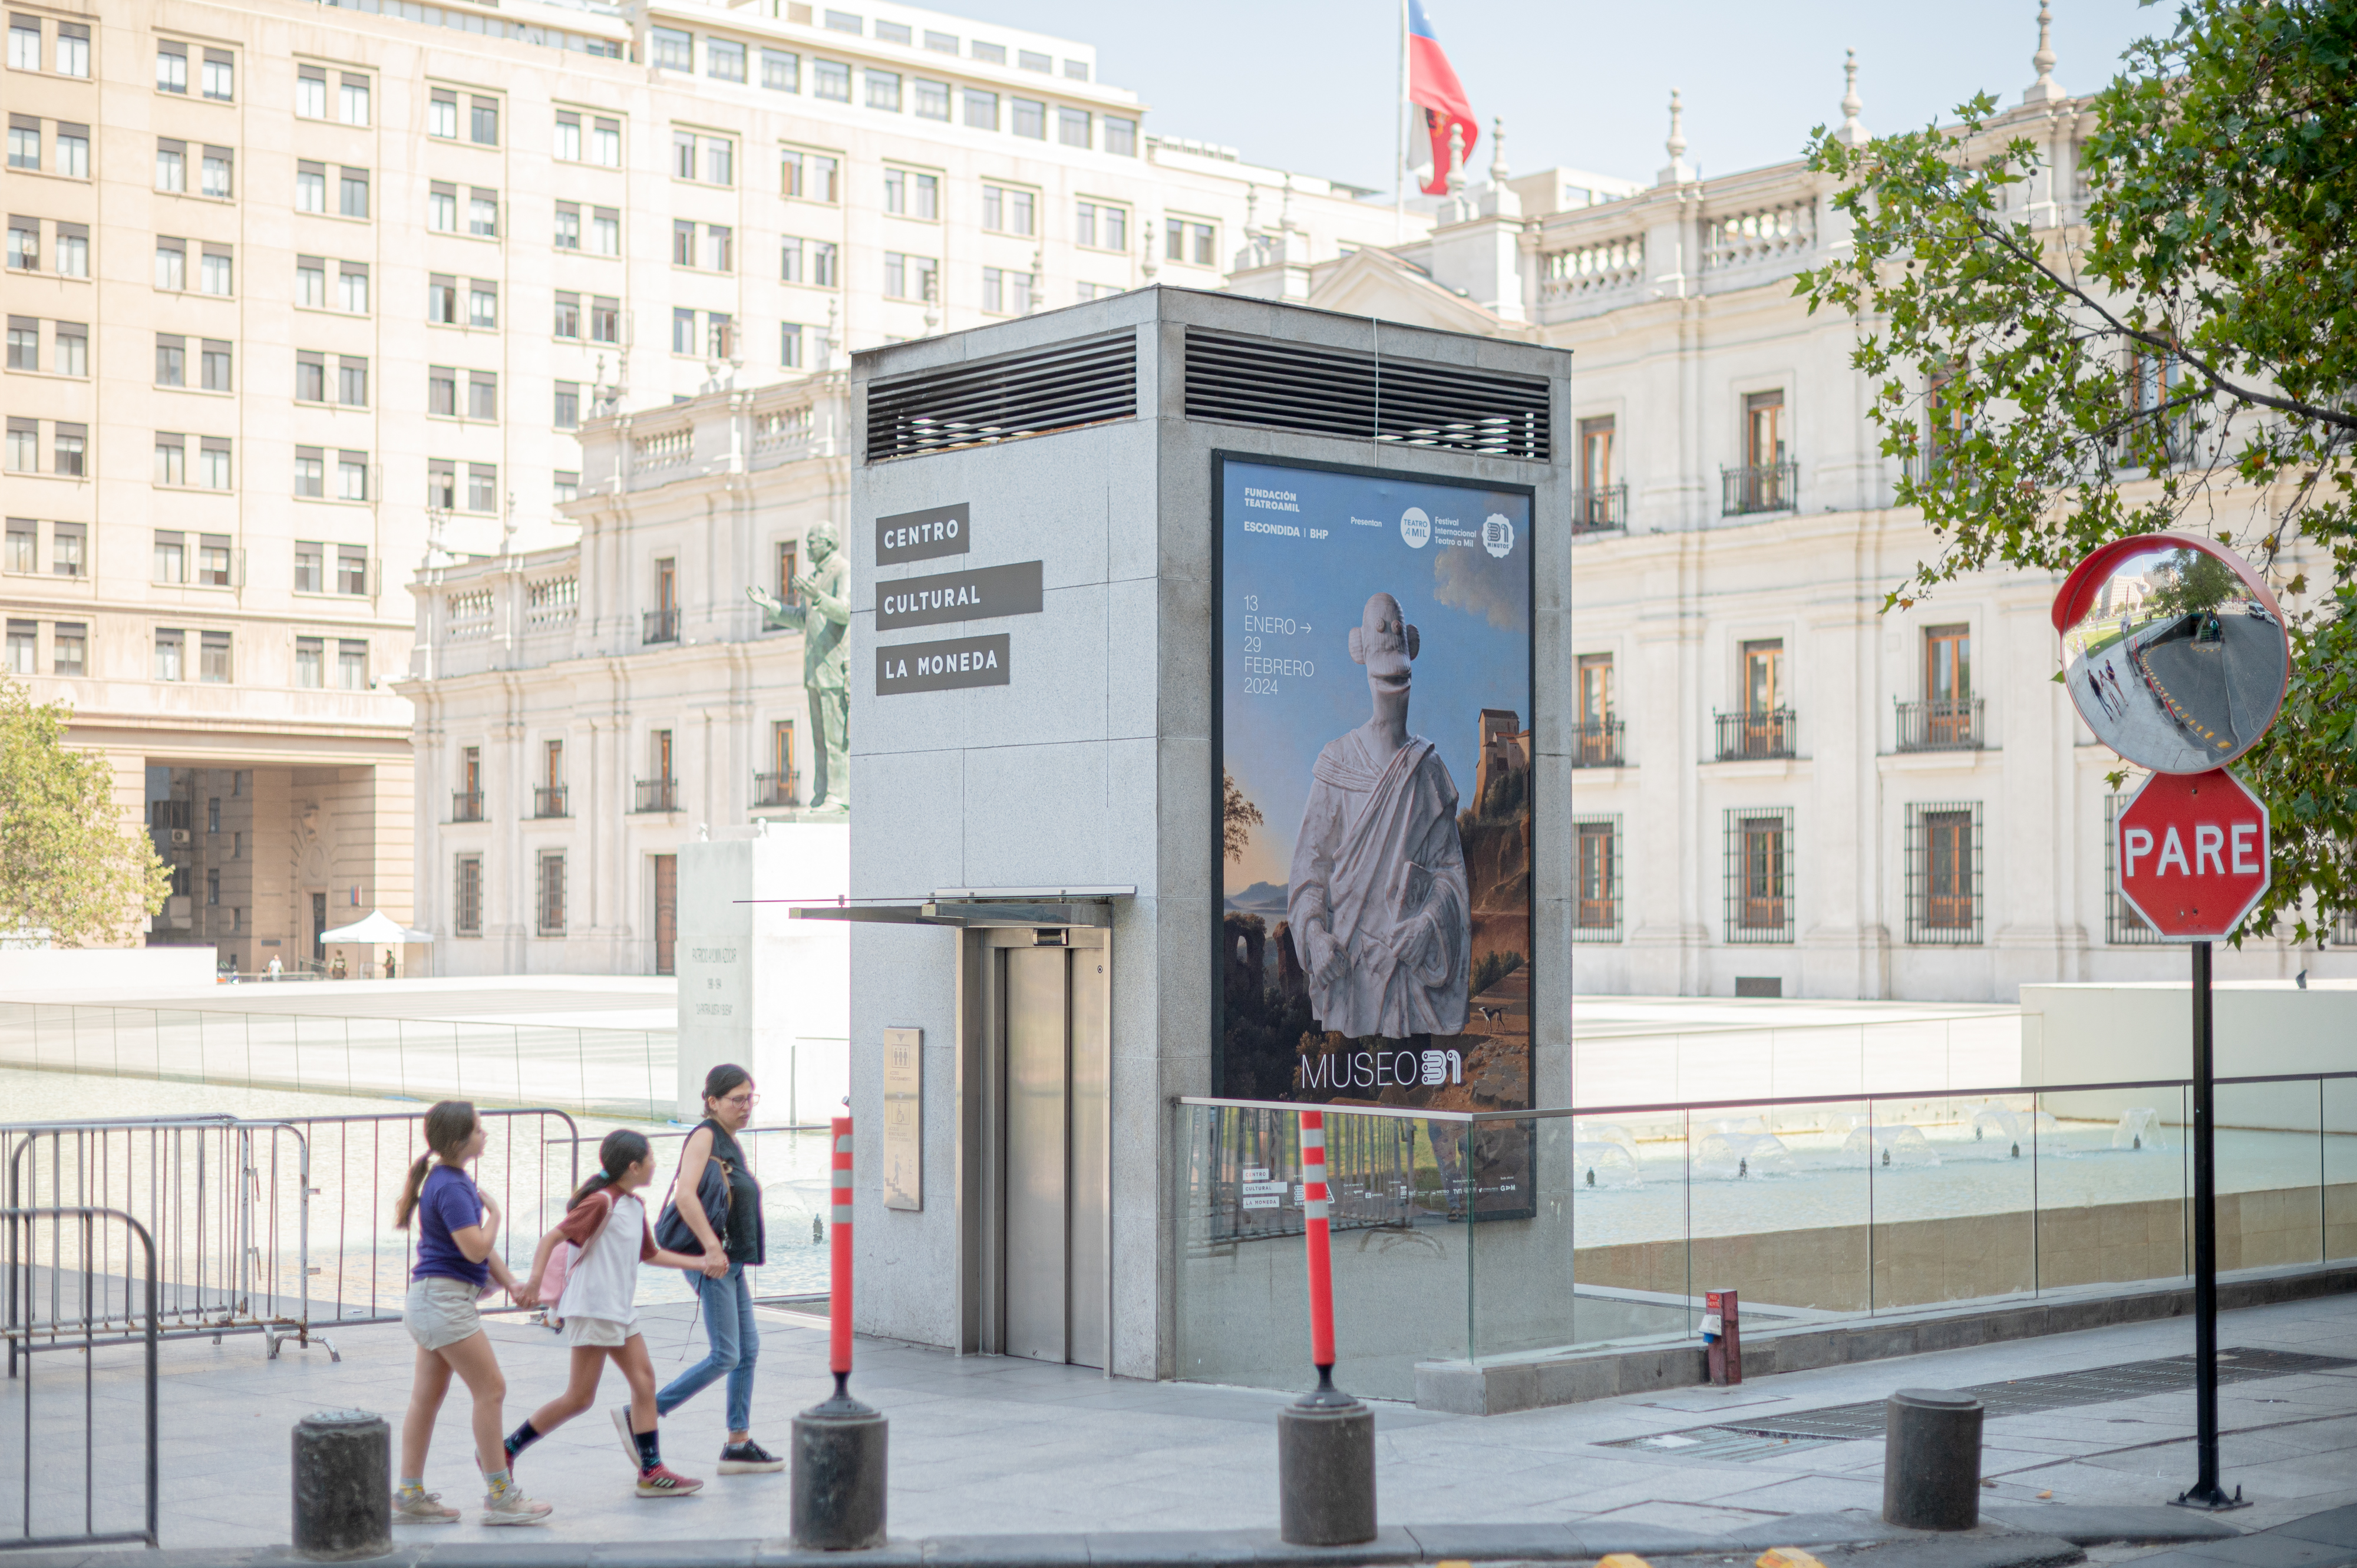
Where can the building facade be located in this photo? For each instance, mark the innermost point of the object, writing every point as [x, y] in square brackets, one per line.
[294, 291]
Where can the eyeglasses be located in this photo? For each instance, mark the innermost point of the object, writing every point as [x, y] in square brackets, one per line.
[747, 1100]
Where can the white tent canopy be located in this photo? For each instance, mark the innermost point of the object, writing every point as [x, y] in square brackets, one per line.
[378, 930]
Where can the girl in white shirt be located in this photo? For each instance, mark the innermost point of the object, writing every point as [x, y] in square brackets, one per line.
[608, 1222]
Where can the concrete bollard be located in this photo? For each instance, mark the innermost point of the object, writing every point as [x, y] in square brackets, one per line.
[1326, 1469]
[343, 1486]
[1931, 1460]
[839, 1468]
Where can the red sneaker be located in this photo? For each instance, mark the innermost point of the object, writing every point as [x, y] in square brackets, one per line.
[663, 1481]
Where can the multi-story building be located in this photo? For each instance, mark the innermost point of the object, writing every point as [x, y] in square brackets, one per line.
[296, 290]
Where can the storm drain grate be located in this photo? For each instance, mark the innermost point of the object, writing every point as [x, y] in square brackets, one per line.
[1757, 1437]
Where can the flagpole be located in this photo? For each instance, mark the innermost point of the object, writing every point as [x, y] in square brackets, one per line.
[1399, 124]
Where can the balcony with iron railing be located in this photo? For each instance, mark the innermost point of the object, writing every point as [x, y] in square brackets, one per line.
[1941, 724]
[659, 626]
[1757, 488]
[1596, 743]
[466, 805]
[1756, 736]
[776, 790]
[548, 800]
[657, 795]
[1603, 509]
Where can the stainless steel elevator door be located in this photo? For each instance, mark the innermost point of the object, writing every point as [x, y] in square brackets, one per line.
[1039, 1156]
[1091, 1127]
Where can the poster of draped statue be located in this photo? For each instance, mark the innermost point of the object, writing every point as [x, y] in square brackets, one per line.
[1373, 790]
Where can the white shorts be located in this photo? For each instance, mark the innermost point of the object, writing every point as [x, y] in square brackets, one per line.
[440, 1313]
[600, 1333]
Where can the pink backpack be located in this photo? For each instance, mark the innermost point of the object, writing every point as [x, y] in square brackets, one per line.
[552, 1283]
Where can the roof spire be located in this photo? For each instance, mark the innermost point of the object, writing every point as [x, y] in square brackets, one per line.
[1498, 151]
[1456, 158]
[1852, 134]
[2045, 89]
[1676, 172]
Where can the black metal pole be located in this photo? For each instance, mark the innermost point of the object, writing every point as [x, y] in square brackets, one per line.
[2205, 1492]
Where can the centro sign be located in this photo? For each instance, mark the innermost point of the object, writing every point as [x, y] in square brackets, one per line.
[2193, 854]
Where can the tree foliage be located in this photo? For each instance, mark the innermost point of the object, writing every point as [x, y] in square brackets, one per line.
[2185, 359]
[1238, 817]
[66, 866]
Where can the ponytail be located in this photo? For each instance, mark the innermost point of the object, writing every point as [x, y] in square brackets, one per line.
[620, 1150]
[449, 1124]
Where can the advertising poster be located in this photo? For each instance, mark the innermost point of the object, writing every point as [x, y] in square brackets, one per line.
[1372, 779]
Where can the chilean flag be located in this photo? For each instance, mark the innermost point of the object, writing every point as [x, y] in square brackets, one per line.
[1432, 84]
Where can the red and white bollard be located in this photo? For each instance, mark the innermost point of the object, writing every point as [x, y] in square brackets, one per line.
[839, 1454]
[1326, 1439]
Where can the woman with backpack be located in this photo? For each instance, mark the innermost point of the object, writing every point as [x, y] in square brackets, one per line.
[717, 1212]
[605, 1235]
[458, 1263]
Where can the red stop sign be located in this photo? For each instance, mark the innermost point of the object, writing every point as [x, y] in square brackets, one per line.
[2192, 854]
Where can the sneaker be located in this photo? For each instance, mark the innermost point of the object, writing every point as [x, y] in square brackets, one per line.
[511, 1506]
[748, 1458]
[663, 1481]
[413, 1506]
[621, 1414]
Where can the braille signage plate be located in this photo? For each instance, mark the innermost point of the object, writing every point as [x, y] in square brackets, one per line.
[904, 1110]
[922, 536]
[941, 666]
[974, 592]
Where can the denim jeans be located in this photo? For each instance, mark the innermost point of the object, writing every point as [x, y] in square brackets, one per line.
[736, 1346]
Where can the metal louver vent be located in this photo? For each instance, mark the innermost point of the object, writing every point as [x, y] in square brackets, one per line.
[1003, 399]
[1359, 396]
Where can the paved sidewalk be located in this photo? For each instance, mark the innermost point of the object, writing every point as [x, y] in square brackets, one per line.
[991, 1446]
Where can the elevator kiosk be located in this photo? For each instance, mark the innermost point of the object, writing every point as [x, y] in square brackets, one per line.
[1036, 843]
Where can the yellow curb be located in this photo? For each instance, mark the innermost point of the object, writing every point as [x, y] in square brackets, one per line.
[1621, 1560]
[1786, 1557]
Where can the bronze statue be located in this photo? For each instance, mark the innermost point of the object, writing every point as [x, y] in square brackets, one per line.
[823, 617]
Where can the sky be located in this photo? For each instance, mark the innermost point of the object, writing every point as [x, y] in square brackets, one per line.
[1309, 85]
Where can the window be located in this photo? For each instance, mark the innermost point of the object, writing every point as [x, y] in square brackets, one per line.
[23, 43]
[991, 54]
[1120, 136]
[311, 281]
[215, 173]
[213, 873]
[1597, 916]
[24, 343]
[69, 648]
[568, 405]
[719, 248]
[789, 344]
[351, 380]
[310, 185]
[65, 549]
[352, 476]
[568, 316]
[1005, 292]
[351, 570]
[683, 242]
[483, 304]
[310, 573]
[212, 559]
[884, 90]
[1101, 227]
[605, 232]
[566, 486]
[1028, 117]
[1598, 745]
[1072, 127]
[483, 121]
[24, 537]
[310, 376]
[351, 665]
[981, 110]
[171, 67]
[441, 113]
[353, 193]
[442, 300]
[467, 907]
[810, 175]
[24, 446]
[69, 445]
[1187, 241]
[1943, 874]
[942, 43]
[1947, 664]
[352, 100]
[483, 214]
[551, 886]
[1009, 212]
[310, 658]
[912, 195]
[1763, 429]
[673, 50]
[212, 659]
[213, 462]
[73, 250]
[682, 330]
[483, 394]
[220, 75]
[441, 484]
[216, 366]
[720, 160]
[781, 71]
[842, 22]
[311, 483]
[25, 244]
[71, 350]
[831, 79]
[568, 226]
[1759, 875]
[605, 319]
[907, 277]
[892, 33]
[73, 48]
[1032, 60]
[724, 60]
[215, 273]
[353, 286]
[719, 335]
[171, 165]
[169, 645]
[605, 142]
[171, 468]
[482, 487]
[1764, 676]
[24, 142]
[932, 100]
[568, 136]
[442, 208]
[23, 657]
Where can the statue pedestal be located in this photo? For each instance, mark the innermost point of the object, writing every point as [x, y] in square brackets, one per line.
[770, 993]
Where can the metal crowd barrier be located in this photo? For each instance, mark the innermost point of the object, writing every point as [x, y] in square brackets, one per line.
[280, 1227]
[100, 1290]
